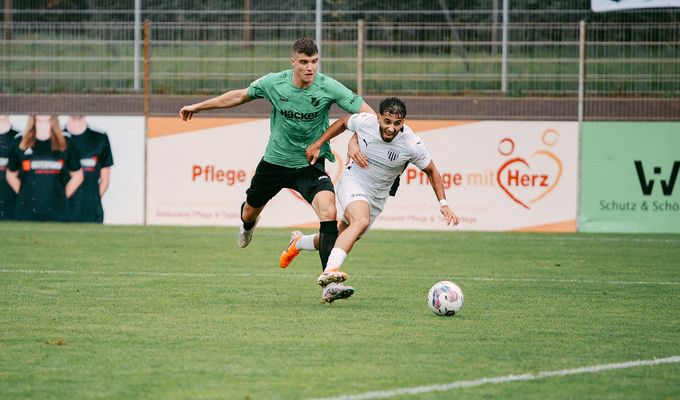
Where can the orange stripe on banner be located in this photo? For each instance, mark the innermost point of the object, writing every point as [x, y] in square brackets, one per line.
[419, 125]
[163, 126]
[564, 226]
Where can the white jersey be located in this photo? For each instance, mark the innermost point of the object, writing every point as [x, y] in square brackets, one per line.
[386, 160]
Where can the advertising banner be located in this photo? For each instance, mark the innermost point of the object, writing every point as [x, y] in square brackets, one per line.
[123, 202]
[615, 5]
[629, 176]
[498, 175]
[198, 172]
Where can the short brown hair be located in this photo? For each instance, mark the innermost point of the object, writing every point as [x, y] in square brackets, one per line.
[305, 45]
[394, 106]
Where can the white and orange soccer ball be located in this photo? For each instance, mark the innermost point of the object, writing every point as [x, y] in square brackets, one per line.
[445, 298]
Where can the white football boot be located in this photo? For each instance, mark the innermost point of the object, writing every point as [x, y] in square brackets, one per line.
[327, 277]
[336, 291]
[244, 237]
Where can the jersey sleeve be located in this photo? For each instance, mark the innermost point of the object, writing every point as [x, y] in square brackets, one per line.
[421, 157]
[259, 88]
[357, 121]
[106, 155]
[345, 98]
[352, 122]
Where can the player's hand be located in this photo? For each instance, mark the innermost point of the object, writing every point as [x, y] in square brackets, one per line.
[354, 153]
[187, 112]
[449, 216]
[312, 153]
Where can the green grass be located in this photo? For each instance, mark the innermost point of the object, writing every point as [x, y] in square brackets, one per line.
[174, 313]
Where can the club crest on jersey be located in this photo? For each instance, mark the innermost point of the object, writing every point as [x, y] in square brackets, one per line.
[315, 102]
[392, 155]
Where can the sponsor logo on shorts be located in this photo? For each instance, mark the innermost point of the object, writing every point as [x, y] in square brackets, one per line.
[353, 195]
[323, 177]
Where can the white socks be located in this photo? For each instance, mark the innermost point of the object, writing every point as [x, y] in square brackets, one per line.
[306, 243]
[336, 259]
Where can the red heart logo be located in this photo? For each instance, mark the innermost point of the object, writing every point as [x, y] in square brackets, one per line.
[525, 185]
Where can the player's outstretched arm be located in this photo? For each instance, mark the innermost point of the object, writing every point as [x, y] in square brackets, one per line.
[435, 179]
[229, 99]
[313, 150]
[365, 108]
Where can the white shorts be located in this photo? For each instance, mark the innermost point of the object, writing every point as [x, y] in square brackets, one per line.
[349, 190]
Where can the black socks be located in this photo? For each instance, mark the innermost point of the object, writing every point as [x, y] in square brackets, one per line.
[328, 233]
[246, 225]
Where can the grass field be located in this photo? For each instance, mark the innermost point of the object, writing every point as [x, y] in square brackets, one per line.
[182, 313]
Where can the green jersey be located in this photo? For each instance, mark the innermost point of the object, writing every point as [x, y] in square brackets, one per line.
[300, 116]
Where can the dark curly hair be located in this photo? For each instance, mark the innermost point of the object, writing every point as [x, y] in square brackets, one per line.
[305, 45]
[393, 106]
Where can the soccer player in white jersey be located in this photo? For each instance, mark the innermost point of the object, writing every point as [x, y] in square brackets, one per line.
[388, 146]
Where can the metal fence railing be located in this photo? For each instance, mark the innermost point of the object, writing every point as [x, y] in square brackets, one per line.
[203, 53]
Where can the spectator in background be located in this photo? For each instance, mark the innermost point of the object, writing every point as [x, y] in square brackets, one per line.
[7, 195]
[44, 170]
[96, 161]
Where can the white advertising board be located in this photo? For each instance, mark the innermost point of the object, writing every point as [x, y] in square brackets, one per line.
[123, 202]
[499, 175]
[617, 5]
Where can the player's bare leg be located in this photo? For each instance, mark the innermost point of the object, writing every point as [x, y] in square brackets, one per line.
[358, 215]
[333, 289]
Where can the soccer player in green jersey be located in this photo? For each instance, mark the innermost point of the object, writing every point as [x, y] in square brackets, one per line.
[301, 99]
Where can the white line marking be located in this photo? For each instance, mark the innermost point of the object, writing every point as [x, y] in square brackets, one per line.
[538, 280]
[304, 275]
[131, 273]
[503, 379]
[223, 231]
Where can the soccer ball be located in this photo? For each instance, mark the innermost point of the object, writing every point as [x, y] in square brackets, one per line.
[445, 298]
